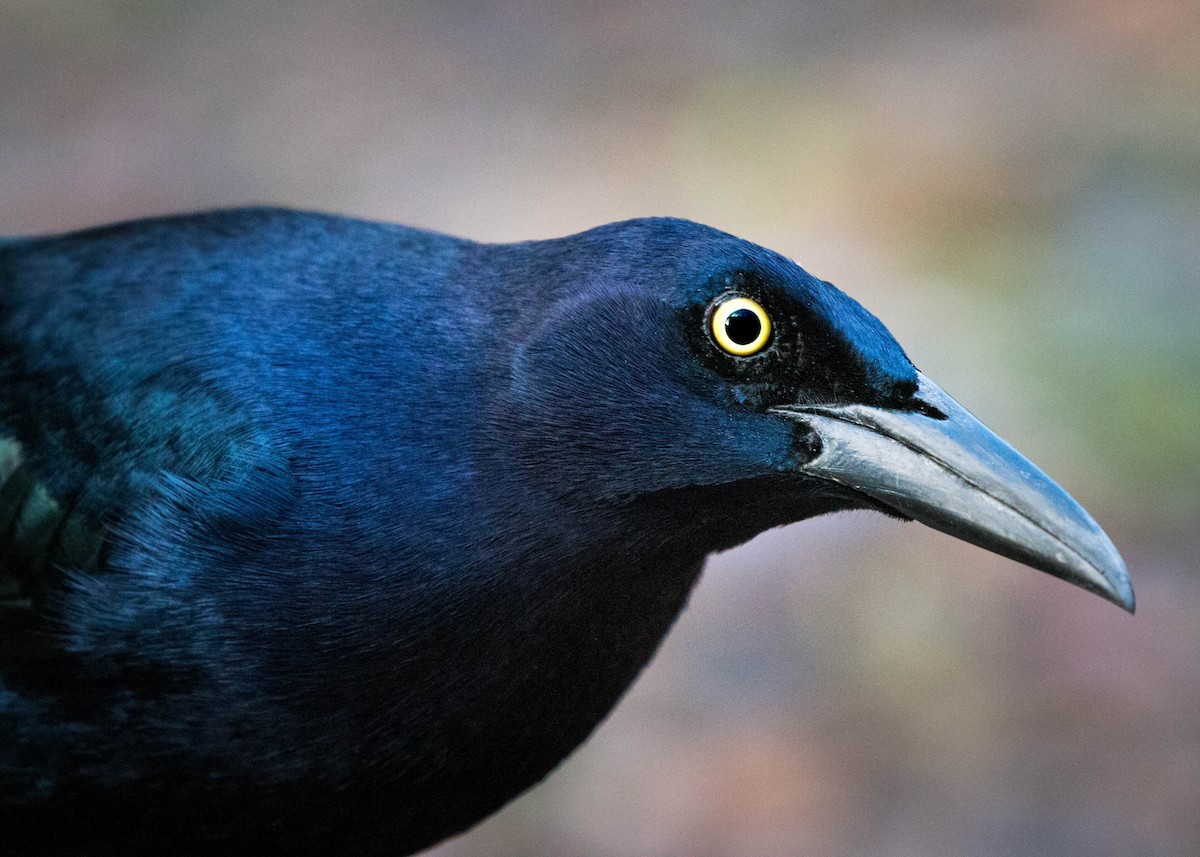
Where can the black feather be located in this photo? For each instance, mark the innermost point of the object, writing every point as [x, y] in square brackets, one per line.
[361, 529]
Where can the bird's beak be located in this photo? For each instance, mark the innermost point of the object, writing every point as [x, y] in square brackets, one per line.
[957, 476]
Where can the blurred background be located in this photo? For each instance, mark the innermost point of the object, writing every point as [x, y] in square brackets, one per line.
[1014, 188]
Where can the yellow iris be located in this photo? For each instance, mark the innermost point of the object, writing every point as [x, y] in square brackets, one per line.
[741, 326]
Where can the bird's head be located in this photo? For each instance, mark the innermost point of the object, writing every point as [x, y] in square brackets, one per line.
[673, 366]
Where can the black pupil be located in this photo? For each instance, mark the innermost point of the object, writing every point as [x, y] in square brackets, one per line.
[743, 326]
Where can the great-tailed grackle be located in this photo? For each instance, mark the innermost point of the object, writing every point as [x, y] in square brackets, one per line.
[333, 536]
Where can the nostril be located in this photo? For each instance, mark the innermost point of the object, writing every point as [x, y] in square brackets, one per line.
[928, 410]
[904, 396]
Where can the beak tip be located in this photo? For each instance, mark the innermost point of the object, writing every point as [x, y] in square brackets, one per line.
[1117, 588]
[1124, 598]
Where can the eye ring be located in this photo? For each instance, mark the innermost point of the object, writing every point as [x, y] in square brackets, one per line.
[740, 326]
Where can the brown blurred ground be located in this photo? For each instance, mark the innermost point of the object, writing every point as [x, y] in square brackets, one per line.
[1015, 190]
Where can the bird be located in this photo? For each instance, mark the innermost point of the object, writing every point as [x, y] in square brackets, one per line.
[333, 536]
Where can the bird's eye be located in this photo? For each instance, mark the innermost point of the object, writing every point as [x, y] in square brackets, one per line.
[740, 326]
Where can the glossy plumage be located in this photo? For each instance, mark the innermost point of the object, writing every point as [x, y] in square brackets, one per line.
[347, 533]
